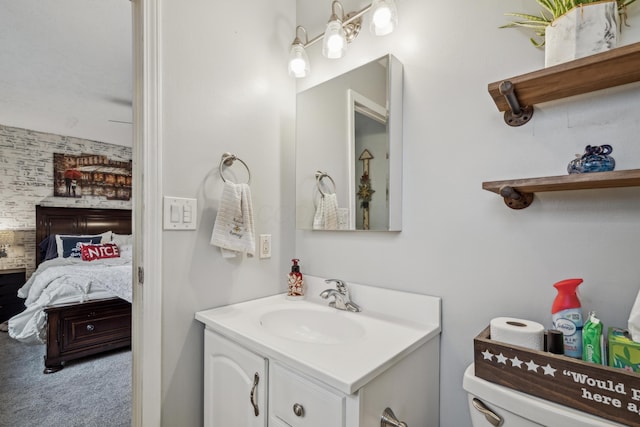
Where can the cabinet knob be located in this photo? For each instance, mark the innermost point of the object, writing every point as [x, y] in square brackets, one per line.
[90, 327]
[298, 409]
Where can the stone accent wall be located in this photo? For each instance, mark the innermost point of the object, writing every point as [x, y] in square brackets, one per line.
[26, 179]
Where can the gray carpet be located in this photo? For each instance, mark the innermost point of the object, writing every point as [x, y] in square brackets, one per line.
[95, 391]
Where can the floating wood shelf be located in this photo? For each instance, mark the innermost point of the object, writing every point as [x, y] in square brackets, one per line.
[600, 71]
[518, 193]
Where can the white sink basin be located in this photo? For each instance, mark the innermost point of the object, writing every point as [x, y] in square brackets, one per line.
[342, 349]
[313, 326]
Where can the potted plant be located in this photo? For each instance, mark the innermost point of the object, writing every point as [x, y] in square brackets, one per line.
[570, 29]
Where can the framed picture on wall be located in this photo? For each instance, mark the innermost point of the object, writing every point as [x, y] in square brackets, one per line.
[91, 175]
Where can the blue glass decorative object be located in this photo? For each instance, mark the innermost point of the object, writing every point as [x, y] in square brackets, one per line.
[595, 159]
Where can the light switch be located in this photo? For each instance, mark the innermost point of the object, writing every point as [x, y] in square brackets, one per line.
[175, 213]
[180, 213]
[186, 214]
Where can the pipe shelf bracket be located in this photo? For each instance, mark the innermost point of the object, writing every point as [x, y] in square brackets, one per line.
[517, 115]
[516, 199]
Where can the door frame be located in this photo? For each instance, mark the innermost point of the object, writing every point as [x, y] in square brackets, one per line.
[147, 214]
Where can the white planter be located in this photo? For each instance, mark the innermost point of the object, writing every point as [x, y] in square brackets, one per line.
[583, 31]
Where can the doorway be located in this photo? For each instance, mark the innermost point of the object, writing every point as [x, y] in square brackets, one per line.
[88, 94]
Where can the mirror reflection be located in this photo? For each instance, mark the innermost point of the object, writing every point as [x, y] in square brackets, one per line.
[349, 150]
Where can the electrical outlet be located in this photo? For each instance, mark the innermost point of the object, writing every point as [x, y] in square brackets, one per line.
[265, 246]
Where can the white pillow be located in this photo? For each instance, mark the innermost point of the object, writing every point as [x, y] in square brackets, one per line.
[126, 252]
[122, 239]
[105, 237]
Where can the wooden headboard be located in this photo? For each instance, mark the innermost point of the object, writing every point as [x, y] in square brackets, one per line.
[58, 220]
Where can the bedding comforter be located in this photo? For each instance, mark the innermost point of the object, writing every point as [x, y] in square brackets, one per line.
[68, 280]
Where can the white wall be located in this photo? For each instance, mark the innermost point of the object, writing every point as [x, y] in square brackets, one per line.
[224, 87]
[462, 243]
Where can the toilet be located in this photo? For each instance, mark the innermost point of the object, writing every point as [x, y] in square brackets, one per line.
[494, 405]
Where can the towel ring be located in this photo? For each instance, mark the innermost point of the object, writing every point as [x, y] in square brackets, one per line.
[319, 176]
[227, 160]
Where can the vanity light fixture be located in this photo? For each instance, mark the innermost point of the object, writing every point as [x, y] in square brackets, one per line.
[334, 44]
[341, 30]
[298, 59]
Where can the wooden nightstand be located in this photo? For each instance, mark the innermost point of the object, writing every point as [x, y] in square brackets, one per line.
[10, 281]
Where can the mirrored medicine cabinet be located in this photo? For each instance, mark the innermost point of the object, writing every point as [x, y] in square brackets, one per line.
[349, 150]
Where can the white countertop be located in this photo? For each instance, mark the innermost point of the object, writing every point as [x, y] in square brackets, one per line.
[412, 320]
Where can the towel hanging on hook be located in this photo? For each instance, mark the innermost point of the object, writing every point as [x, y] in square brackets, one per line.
[326, 216]
[233, 230]
[227, 161]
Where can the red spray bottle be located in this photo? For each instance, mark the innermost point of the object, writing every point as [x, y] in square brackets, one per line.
[567, 316]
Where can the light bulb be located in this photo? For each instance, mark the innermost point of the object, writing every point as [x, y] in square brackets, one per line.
[335, 42]
[297, 67]
[384, 17]
[298, 60]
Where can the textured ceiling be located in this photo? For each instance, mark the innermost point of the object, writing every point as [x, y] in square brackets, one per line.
[66, 67]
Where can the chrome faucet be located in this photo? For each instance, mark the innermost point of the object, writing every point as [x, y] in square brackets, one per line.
[341, 297]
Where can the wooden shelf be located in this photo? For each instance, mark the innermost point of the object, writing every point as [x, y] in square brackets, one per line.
[518, 193]
[600, 71]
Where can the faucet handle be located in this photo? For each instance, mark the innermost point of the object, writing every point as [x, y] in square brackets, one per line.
[340, 285]
[342, 299]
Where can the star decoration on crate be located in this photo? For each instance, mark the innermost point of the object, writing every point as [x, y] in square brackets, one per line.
[514, 362]
[532, 366]
[548, 370]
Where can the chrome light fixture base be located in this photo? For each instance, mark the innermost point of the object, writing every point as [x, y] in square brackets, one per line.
[352, 28]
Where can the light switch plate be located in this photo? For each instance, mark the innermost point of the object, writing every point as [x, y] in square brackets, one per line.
[180, 213]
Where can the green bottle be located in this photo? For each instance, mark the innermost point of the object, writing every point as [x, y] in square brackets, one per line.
[592, 340]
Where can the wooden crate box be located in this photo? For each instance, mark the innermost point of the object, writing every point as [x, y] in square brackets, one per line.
[607, 392]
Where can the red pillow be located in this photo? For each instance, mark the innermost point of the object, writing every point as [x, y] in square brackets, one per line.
[99, 251]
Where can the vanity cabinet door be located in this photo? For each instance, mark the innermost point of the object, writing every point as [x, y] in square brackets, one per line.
[300, 402]
[235, 384]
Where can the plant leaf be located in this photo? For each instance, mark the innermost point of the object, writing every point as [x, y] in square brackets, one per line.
[528, 17]
[550, 10]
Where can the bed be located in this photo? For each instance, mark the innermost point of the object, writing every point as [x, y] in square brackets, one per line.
[76, 307]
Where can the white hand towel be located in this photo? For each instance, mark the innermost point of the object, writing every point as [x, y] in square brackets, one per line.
[326, 217]
[233, 229]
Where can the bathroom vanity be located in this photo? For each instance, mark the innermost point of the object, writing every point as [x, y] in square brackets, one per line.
[277, 362]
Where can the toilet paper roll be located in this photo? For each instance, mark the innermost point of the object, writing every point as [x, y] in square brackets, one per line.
[520, 332]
